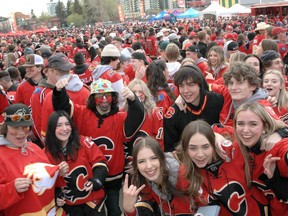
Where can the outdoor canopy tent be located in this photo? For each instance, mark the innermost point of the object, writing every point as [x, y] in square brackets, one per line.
[215, 9]
[160, 15]
[239, 9]
[190, 13]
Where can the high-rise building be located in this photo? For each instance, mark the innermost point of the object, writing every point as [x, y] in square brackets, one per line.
[51, 8]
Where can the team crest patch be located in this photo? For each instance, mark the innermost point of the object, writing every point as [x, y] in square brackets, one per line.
[170, 112]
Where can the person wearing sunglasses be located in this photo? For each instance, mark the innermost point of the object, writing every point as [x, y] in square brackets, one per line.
[25, 171]
[108, 127]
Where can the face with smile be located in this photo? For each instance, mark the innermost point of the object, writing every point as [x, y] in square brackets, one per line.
[240, 90]
[63, 130]
[213, 58]
[149, 165]
[190, 92]
[272, 83]
[200, 150]
[249, 127]
[17, 135]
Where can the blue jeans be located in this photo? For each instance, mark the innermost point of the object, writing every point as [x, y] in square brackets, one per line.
[112, 202]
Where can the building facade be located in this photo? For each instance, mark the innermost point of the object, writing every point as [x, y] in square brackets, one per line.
[51, 8]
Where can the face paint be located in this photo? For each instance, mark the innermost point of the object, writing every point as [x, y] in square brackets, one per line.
[100, 98]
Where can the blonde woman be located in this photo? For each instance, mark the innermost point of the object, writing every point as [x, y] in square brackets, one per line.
[216, 62]
[252, 125]
[274, 83]
[153, 122]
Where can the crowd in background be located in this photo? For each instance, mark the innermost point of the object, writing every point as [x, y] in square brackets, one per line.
[143, 108]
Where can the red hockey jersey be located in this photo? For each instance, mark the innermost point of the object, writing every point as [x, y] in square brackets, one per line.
[31, 163]
[88, 157]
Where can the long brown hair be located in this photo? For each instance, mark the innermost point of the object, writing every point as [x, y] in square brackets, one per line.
[137, 177]
[192, 172]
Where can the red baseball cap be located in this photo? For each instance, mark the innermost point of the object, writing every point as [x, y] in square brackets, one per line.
[277, 30]
[229, 27]
[229, 36]
[193, 34]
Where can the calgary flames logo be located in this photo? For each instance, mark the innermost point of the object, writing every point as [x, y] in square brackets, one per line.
[43, 176]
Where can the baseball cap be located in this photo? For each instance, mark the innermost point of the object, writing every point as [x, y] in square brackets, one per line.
[43, 47]
[4, 73]
[193, 48]
[137, 36]
[32, 60]
[59, 61]
[17, 115]
[229, 36]
[159, 34]
[233, 46]
[163, 45]
[94, 40]
[173, 36]
[164, 30]
[46, 53]
[101, 86]
[139, 56]
[123, 58]
[229, 27]
[127, 36]
[193, 34]
[27, 51]
[269, 55]
[110, 50]
[277, 30]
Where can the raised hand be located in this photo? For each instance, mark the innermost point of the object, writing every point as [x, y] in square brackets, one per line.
[63, 83]
[130, 195]
[126, 93]
[270, 165]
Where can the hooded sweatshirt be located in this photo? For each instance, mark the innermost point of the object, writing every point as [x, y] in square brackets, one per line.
[28, 161]
[77, 91]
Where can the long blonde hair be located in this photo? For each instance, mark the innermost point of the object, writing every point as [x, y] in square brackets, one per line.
[269, 124]
[283, 95]
[149, 103]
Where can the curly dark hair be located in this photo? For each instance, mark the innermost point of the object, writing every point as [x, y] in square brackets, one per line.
[241, 71]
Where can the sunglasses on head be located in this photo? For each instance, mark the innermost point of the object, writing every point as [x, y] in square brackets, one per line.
[18, 117]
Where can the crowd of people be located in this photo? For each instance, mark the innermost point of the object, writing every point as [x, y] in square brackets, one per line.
[182, 118]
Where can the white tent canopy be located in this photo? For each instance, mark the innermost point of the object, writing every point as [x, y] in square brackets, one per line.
[215, 9]
[239, 9]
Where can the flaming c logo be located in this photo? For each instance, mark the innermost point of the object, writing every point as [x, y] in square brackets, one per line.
[43, 176]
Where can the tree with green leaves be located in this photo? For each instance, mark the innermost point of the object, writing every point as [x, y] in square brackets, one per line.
[76, 19]
[44, 17]
[99, 11]
[69, 7]
[61, 11]
[77, 8]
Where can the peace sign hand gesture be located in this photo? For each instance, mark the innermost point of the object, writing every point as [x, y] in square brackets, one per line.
[130, 195]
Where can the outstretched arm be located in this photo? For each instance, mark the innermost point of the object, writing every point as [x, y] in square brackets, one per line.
[135, 113]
